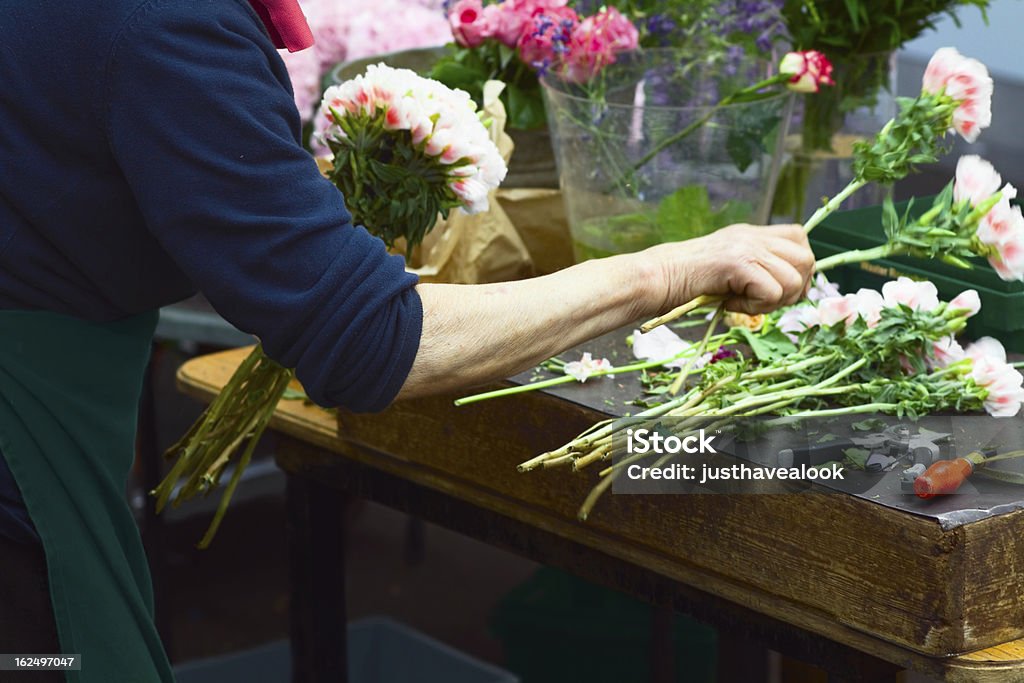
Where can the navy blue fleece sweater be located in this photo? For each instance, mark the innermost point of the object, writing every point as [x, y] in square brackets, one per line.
[149, 149]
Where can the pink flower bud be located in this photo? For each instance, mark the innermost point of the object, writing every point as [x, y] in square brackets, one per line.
[807, 71]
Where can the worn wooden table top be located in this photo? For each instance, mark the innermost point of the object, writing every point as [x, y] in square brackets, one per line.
[880, 580]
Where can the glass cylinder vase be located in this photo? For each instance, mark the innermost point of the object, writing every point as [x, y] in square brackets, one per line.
[646, 156]
[819, 155]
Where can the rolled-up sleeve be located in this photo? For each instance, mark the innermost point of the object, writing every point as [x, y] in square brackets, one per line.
[201, 120]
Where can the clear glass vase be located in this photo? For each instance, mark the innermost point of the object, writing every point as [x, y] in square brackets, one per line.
[819, 155]
[644, 156]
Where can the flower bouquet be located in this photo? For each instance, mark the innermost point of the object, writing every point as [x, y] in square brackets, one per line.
[517, 40]
[406, 150]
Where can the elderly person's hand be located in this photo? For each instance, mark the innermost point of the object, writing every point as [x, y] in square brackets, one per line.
[475, 333]
[759, 269]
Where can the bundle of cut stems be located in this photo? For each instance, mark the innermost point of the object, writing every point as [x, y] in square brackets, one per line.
[773, 389]
[237, 417]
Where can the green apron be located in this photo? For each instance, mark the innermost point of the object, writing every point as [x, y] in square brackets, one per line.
[69, 395]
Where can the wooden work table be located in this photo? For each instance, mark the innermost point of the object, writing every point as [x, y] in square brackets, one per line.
[857, 588]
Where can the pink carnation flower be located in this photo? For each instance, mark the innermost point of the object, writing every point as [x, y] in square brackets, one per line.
[442, 123]
[967, 300]
[945, 352]
[660, 344]
[595, 42]
[976, 180]
[807, 71]
[920, 296]
[986, 347]
[1002, 384]
[967, 82]
[796, 319]
[837, 308]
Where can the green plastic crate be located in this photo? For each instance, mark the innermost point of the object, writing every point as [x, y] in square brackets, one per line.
[1002, 303]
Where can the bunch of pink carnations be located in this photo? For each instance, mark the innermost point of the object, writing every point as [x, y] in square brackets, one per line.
[546, 34]
[406, 148]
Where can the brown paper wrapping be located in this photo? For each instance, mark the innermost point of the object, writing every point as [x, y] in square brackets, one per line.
[484, 247]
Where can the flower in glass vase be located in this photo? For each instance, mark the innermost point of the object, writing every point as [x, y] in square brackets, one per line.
[515, 40]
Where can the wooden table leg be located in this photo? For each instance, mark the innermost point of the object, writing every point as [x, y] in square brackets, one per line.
[317, 580]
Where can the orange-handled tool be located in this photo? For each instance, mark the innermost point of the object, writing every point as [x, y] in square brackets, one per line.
[945, 476]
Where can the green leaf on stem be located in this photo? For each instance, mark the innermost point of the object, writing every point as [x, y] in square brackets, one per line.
[768, 347]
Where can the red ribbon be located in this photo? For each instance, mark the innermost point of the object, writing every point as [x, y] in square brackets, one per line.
[285, 22]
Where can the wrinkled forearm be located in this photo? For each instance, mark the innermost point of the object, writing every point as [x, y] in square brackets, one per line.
[478, 333]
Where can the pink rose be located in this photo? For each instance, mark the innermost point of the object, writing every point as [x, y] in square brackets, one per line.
[506, 22]
[976, 180]
[920, 296]
[967, 300]
[966, 81]
[807, 71]
[469, 23]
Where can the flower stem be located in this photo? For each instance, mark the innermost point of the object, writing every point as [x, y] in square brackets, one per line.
[554, 381]
[724, 102]
[831, 205]
[685, 372]
[858, 256]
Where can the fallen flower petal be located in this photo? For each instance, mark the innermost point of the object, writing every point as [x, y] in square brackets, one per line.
[659, 344]
[586, 366]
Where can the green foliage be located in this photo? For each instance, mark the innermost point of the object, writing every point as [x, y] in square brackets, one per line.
[857, 36]
[391, 189]
[687, 213]
[916, 136]
[769, 346]
[749, 135]
[469, 68]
